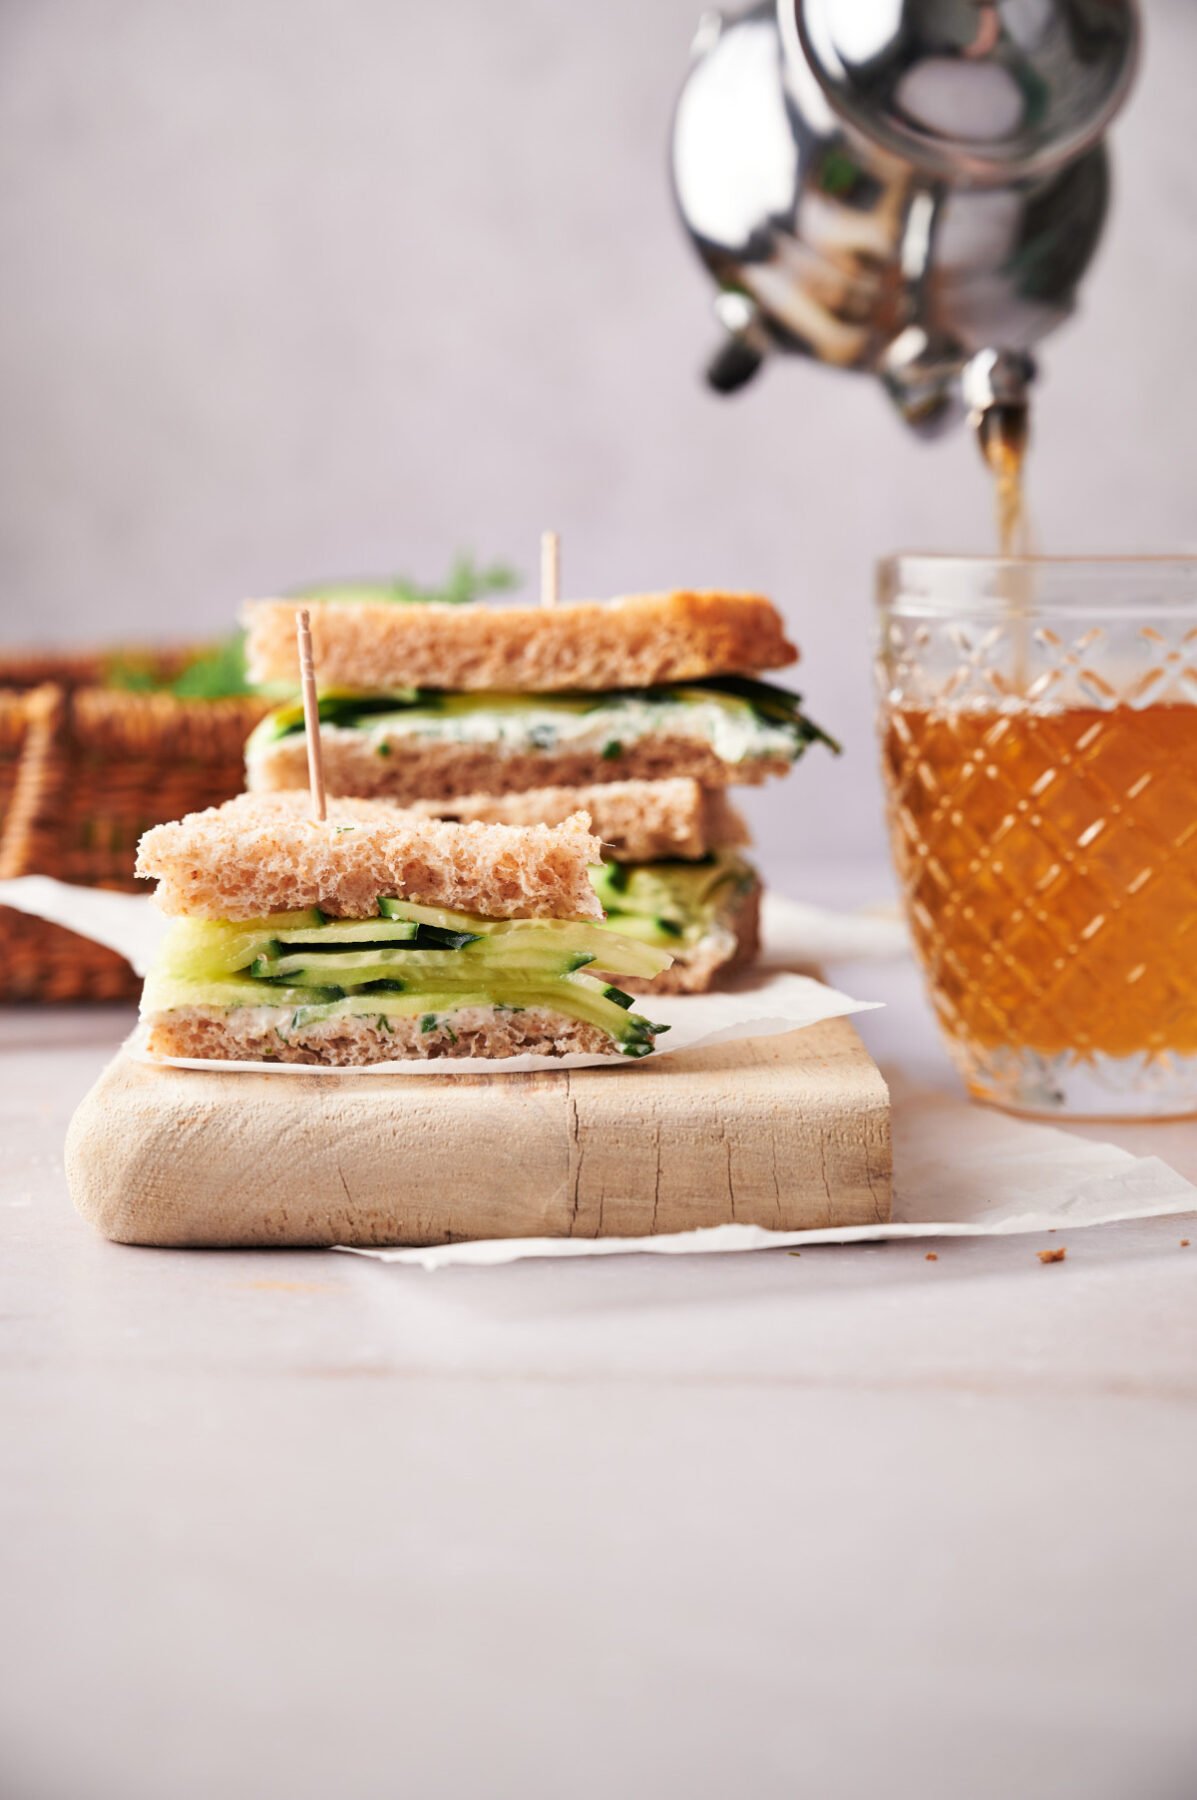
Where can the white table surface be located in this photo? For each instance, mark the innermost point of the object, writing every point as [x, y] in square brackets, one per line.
[845, 1524]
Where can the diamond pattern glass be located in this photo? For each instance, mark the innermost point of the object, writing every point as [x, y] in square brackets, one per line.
[1039, 733]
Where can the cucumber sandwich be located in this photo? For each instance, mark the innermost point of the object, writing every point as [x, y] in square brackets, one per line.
[377, 934]
[423, 702]
[641, 712]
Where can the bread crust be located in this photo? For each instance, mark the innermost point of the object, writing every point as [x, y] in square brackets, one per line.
[438, 771]
[635, 641]
[734, 944]
[264, 853]
[249, 1034]
[637, 821]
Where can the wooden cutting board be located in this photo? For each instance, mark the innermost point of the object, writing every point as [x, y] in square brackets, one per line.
[787, 1132]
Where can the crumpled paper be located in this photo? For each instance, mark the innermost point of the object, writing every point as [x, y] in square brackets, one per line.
[960, 1170]
[761, 1003]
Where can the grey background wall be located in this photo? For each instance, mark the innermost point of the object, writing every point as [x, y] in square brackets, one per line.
[299, 289]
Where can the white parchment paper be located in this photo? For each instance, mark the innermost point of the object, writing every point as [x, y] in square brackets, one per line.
[130, 924]
[960, 1171]
[795, 935]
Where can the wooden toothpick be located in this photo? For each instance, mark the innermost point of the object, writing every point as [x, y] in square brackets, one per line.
[311, 713]
[550, 568]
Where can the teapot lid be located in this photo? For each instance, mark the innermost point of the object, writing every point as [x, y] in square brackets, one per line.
[987, 90]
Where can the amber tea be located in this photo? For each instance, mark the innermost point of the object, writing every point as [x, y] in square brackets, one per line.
[1050, 864]
[1044, 823]
[1003, 439]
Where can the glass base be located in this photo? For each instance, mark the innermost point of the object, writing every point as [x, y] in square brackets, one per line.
[1159, 1085]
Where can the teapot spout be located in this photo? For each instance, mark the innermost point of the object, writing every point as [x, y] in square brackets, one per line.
[997, 391]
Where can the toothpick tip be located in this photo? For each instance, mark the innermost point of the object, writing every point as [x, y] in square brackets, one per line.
[550, 567]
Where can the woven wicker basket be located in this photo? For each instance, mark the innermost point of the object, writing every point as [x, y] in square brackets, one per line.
[83, 772]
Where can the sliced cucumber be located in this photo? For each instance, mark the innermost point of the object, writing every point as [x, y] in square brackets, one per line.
[592, 936]
[439, 916]
[270, 925]
[408, 960]
[670, 903]
[648, 930]
[344, 967]
[230, 944]
[435, 937]
[200, 950]
[353, 931]
[415, 968]
[315, 988]
[166, 993]
[509, 941]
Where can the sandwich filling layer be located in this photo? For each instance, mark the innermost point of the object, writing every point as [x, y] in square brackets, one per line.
[740, 720]
[672, 905]
[293, 981]
[707, 912]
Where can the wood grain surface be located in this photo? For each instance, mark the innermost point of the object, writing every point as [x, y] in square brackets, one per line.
[786, 1132]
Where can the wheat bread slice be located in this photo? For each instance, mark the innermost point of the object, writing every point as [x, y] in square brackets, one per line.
[638, 641]
[637, 821]
[439, 771]
[264, 853]
[263, 1033]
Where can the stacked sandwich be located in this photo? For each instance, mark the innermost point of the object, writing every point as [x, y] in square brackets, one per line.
[639, 712]
[372, 935]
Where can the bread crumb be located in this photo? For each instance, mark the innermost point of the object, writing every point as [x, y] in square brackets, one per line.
[1046, 1256]
[931, 1256]
[793, 1253]
[1184, 1243]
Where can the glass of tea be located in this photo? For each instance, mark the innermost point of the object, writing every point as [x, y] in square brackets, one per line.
[1039, 729]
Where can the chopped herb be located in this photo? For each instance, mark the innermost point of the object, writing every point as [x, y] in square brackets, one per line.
[450, 1034]
[612, 750]
[340, 828]
[428, 1022]
[307, 1015]
[382, 748]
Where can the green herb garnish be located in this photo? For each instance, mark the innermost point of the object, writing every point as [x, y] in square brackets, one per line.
[215, 674]
[465, 583]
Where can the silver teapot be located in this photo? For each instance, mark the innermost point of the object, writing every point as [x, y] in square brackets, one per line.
[909, 187]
